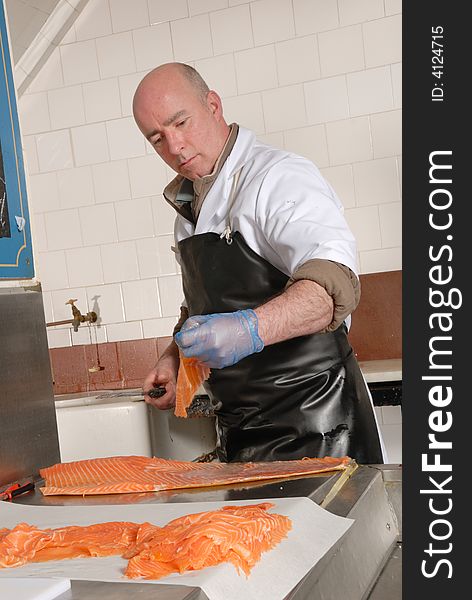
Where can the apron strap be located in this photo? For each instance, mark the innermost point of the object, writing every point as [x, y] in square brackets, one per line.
[227, 233]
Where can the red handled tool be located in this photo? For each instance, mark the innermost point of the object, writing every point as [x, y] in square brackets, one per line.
[15, 490]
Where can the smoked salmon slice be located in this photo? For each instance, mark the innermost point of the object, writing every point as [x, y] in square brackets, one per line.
[125, 474]
[26, 543]
[189, 378]
[235, 534]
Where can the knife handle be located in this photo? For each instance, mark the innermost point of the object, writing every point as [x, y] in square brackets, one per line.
[157, 392]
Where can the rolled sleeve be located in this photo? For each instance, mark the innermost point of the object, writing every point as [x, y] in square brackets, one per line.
[338, 280]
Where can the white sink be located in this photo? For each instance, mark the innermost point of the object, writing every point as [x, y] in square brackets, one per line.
[90, 427]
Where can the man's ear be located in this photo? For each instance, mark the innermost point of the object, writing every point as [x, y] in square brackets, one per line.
[214, 104]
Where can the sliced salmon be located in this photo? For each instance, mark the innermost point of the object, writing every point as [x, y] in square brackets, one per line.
[189, 378]
[124, 474]
[235, 534]
[26, 543]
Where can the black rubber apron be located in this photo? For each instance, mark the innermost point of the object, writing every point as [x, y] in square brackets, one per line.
[301, 397]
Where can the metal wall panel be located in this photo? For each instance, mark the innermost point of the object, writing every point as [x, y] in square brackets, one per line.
[28, 430]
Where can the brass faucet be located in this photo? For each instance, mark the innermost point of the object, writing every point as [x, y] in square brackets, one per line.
[78, 317]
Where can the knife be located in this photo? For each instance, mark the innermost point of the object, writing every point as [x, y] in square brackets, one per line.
[153, 393]
[15, 490]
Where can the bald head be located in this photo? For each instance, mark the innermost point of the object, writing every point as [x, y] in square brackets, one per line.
[181, 117]
[170, 72]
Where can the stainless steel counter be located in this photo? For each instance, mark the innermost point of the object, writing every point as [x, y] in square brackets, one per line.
[348, 572]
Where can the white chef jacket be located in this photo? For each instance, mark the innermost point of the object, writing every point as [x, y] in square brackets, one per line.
[283, 207]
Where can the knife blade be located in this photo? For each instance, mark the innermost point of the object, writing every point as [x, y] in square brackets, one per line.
[153, 393]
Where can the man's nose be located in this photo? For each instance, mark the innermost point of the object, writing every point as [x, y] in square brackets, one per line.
[175, 143]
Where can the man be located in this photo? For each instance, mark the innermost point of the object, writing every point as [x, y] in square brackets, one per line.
[268, 272]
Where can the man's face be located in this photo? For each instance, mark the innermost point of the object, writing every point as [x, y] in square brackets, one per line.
[186, 132]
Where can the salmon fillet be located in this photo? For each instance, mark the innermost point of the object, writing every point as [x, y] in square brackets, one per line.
[126, 474]
[26, 543]
[235, 534]
[189, 378]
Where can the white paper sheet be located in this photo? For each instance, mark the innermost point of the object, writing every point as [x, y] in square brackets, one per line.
[314, 531]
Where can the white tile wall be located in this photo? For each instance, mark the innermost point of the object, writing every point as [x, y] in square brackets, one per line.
[275, 104]
[312, 16]
[359, 11]
[94, 20]
[376, 181]
[34, 113]
[90, 144]
[342, 180]
[290, 67]
[84, 266]
[89, 334]
[102, 100]
[391, 224]
[126, 15]
[370, 91]
[326, 100]
[66, 107]
[125, 331]
[387, 133]
[134, 219]
[282, 24]
[30, 154]
[382, 41]
[120, 262]
[156, 257]
[98, 224]
[397, 84]
[334, 62]
[163, 215]
[75, 187]
[54, 150]
[124, 139]
[160, 10]
[197, 7]
[128, 83]
[63, 229]
[146, 175]
[386, 259]
[115, 54]
[309, 142]
[231, 29]
[141, 299]
[52, 270]
[152, 46]
[256, 69]
[50, 76]
[321, 78]
[219, 73]
[349, 141]
[247, 111]
[111, 181]
[43, 192]
[38, 231]
[79, 62]
[171, 295]
[187, 45]
[107, 302]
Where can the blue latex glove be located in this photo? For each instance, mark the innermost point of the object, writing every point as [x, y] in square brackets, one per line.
[221, 339]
